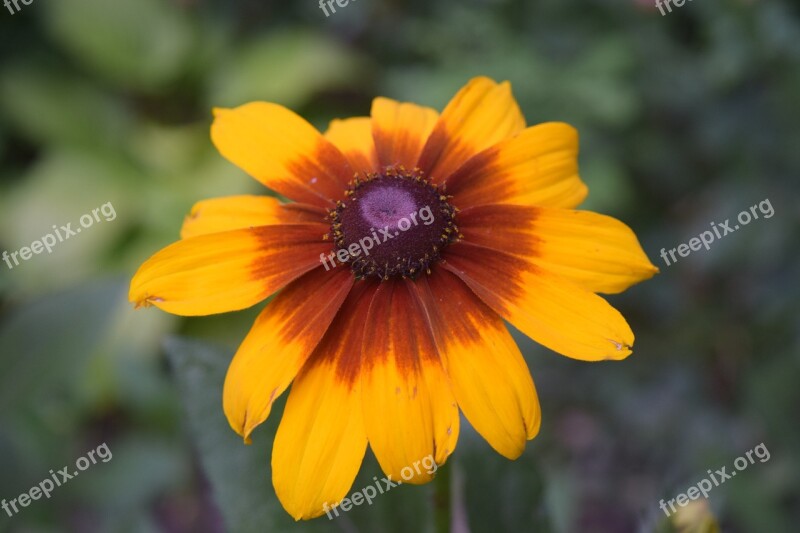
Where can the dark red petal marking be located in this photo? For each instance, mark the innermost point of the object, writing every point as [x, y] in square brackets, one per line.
[342, 343]
[290, 251]
[481, 268]
[504, 228]
[325, 175]
[397, 324]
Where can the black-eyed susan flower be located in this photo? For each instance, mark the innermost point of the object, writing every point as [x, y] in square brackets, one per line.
[412, 235]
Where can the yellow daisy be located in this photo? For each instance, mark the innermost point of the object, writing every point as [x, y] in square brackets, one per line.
[412, 235]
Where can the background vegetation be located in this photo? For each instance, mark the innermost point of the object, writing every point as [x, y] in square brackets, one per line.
[685, 119]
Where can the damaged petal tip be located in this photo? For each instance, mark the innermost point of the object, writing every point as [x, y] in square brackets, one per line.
[623, 350]
[245, 433]
[145, 302]
[246, 429]
[620, 345]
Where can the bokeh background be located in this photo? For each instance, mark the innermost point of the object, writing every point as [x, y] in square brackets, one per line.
[685, 119]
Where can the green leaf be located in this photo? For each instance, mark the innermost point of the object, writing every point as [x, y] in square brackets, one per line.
[52, 106]
[143, 44]
[60, 188]
[44, 345]
[286, 67]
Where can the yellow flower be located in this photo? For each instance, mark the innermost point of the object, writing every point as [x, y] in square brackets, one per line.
[446, 224]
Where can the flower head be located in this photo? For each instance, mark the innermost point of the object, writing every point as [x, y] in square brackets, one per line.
[412, 236]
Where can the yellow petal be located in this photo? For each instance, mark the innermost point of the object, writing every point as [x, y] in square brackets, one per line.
[537, 167]
[321, 439]
[236, 212]
[320, 442]
[353, 137]
[228, 271]
[410, 413]
[280, 341]
[596, 252]
[283, 151]
[481, 114]
[549, 309]
[490, 379]
[400, 130]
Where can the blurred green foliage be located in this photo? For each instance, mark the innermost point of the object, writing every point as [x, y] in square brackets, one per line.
[685, 120]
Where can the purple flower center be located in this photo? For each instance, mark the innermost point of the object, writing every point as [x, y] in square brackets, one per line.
[392, 224]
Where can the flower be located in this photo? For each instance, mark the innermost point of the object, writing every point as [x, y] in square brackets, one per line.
[386, 348]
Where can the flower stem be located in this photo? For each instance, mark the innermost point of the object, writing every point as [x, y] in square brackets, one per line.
[441, 500]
